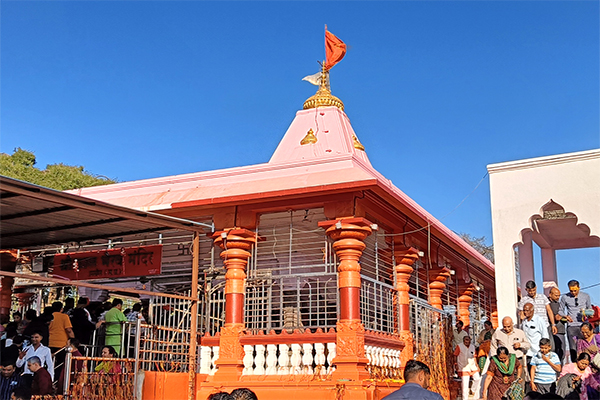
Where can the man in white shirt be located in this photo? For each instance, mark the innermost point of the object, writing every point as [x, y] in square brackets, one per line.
[541, 306]
[36, 349]
[534, 328]
[459, 334]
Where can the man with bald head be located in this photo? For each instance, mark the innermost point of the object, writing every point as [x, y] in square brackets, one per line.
[560, 343]
[534, 328]
[510, 337]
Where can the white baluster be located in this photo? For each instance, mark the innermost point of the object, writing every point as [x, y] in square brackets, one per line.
[271, 359]
[307, 358]
[205, 359]
[369, 354]
[386, 358]
[248, 359]
[214, 360]
[331, 354]
[296, 360]
[284, 360]
[320, 357]
[374, 357]
[259, 360]
[380, 351]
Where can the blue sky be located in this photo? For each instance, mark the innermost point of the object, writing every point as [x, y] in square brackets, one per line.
[434, 90]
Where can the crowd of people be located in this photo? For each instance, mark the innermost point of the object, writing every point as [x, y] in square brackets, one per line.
[553, 352]
[33, 347]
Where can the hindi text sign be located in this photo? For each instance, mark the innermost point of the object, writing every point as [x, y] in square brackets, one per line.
[110, 263]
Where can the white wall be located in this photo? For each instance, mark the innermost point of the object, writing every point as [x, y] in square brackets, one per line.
[518, 189]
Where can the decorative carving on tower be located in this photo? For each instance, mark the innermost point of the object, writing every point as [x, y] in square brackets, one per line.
[348, 235]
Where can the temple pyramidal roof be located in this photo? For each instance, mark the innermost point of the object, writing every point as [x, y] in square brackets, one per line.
[319, 154]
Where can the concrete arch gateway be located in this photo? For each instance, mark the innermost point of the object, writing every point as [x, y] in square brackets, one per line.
[552, 201]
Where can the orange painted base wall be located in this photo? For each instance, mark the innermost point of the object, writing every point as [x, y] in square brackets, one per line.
[174, 386]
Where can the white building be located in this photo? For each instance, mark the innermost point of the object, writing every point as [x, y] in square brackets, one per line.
[553, 201]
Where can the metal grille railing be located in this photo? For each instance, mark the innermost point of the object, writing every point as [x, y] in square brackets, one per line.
[294, 244]
[425, 321]
[377, 305]
[292, 302]
[432, 334]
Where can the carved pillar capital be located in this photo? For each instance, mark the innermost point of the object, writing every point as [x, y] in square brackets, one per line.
[348, 235]
[404, 258]
[236, 244]
[437, 284]
[465, 290]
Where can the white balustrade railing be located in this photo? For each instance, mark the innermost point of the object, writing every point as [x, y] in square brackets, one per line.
[285, 359]
[383, 362]
[300, 359]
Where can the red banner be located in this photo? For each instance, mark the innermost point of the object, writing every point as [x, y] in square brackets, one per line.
[111, 263]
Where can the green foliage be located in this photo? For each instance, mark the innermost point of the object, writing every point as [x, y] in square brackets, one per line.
[21, 165]
[478, 243]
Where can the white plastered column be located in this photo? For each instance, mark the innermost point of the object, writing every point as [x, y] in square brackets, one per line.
[526, 266]
[549, 268]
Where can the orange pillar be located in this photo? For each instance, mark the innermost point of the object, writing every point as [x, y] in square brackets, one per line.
[437, 284]
[236, 243]
[404, 258]
[494, 314]
[465, 290]
[348, 235]
[8, 262]
[6, 295]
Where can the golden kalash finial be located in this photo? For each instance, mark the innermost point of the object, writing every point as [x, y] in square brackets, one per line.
[309, 138]
[335, 50]
[323, 97]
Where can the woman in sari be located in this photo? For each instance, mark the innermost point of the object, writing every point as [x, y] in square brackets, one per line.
[572, 376]
[590, 387]
[484, 341]
[504, 370]
[108, 367]
[589, 341]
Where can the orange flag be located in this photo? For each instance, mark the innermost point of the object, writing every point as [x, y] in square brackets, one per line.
[335, 50]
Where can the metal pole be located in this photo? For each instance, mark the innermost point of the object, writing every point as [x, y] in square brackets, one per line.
[138, 335]
[194, 318]
[67, 367]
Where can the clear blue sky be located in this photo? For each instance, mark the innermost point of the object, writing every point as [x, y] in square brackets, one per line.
[435, 90]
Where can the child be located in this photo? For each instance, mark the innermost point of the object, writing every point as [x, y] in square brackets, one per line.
[544, 367]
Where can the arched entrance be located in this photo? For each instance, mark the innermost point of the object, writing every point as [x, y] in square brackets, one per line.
[551, 229]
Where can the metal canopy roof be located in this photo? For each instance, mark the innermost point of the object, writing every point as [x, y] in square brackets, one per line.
[32, 216]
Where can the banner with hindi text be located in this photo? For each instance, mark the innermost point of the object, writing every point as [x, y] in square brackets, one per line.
[109, 263]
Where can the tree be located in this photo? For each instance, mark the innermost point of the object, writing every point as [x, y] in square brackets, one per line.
[478, 243]
[21, 165]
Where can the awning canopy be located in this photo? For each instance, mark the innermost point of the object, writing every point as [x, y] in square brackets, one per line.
[32, 216]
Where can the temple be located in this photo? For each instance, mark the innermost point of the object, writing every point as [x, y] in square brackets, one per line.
[329, 277]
